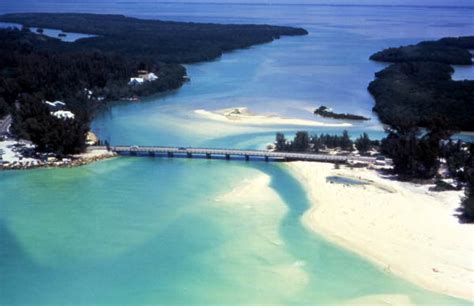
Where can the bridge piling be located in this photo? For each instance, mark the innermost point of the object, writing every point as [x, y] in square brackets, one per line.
[208, 155]
[227, 156]
[247, 157]
[170, 154]
[189, 155]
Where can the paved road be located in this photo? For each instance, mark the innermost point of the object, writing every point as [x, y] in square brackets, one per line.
[5, 125]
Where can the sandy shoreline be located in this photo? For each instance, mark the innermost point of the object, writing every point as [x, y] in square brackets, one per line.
[404, 228]
[88, 157]
[241, 115]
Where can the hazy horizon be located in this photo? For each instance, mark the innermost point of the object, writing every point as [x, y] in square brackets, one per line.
[327, 2]
[317, 2]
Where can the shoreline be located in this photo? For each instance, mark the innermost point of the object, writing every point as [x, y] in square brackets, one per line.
[391, 224]
[77, 160]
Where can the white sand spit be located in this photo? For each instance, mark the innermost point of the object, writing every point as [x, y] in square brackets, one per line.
[241, 115]
[404, 228]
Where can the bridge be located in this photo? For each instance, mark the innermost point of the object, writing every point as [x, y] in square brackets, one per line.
[157, 151]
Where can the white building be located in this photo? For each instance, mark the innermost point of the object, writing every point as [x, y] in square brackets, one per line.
[61, 114]
[143, 76]
[149, 77]
[55, 104]
[136, 81]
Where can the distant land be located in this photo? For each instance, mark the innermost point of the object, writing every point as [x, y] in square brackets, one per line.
[171, 42]
[89, 72]
[418, 88]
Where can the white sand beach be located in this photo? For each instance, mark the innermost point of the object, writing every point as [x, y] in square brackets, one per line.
[241, 115]
[405, 228]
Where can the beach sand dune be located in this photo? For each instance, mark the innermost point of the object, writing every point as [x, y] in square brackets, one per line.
[241, 115]
[407, 229]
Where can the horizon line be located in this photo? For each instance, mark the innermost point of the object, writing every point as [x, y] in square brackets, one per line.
[302, 4]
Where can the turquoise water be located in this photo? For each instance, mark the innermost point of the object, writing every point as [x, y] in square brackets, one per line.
[199, 232]
[153, 231]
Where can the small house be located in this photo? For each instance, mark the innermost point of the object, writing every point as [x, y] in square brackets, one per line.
[61, 114]
[136, 81]
[148, 77]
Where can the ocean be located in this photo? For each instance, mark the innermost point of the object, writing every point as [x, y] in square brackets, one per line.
[136, 231]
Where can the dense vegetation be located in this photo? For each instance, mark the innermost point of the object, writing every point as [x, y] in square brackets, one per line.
[303, 142]
[467, 204]
[171, 42]
[62, 136]
[32, 71]
[449, 50]
[417, 91]
[323, 111]
[415, 154]
[85, 74]
[418, 88]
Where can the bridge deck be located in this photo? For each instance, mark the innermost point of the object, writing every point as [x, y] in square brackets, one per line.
[228, 153]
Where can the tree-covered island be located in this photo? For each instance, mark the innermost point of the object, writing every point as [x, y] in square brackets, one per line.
[325, 112]
[37, 71]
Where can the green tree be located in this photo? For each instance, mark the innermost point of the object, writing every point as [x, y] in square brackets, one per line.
[415, 154]
[300, 142]
[3, 107]
[280, 142]
[456, 158]
[346, 142]
[363, 143]
[467, 204]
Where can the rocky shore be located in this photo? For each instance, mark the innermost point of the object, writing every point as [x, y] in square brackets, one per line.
[88, 157]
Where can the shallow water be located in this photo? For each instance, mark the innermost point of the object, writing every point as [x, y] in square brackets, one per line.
[177, 231]
[140, 230]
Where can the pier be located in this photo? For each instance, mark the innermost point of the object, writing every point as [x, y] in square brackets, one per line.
[210, 153]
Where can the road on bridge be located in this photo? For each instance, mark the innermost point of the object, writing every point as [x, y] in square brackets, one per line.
[210, 152]
[5, 125]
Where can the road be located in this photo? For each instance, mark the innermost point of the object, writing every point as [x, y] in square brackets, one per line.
[5, 125]
[236, 152]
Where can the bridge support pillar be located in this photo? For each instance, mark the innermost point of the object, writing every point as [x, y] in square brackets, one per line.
[227, 156]
[266, 158]
[189, 155]
[247, 158]
[208, 155]
[151, 153]
[170, 154]
[133, 153]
